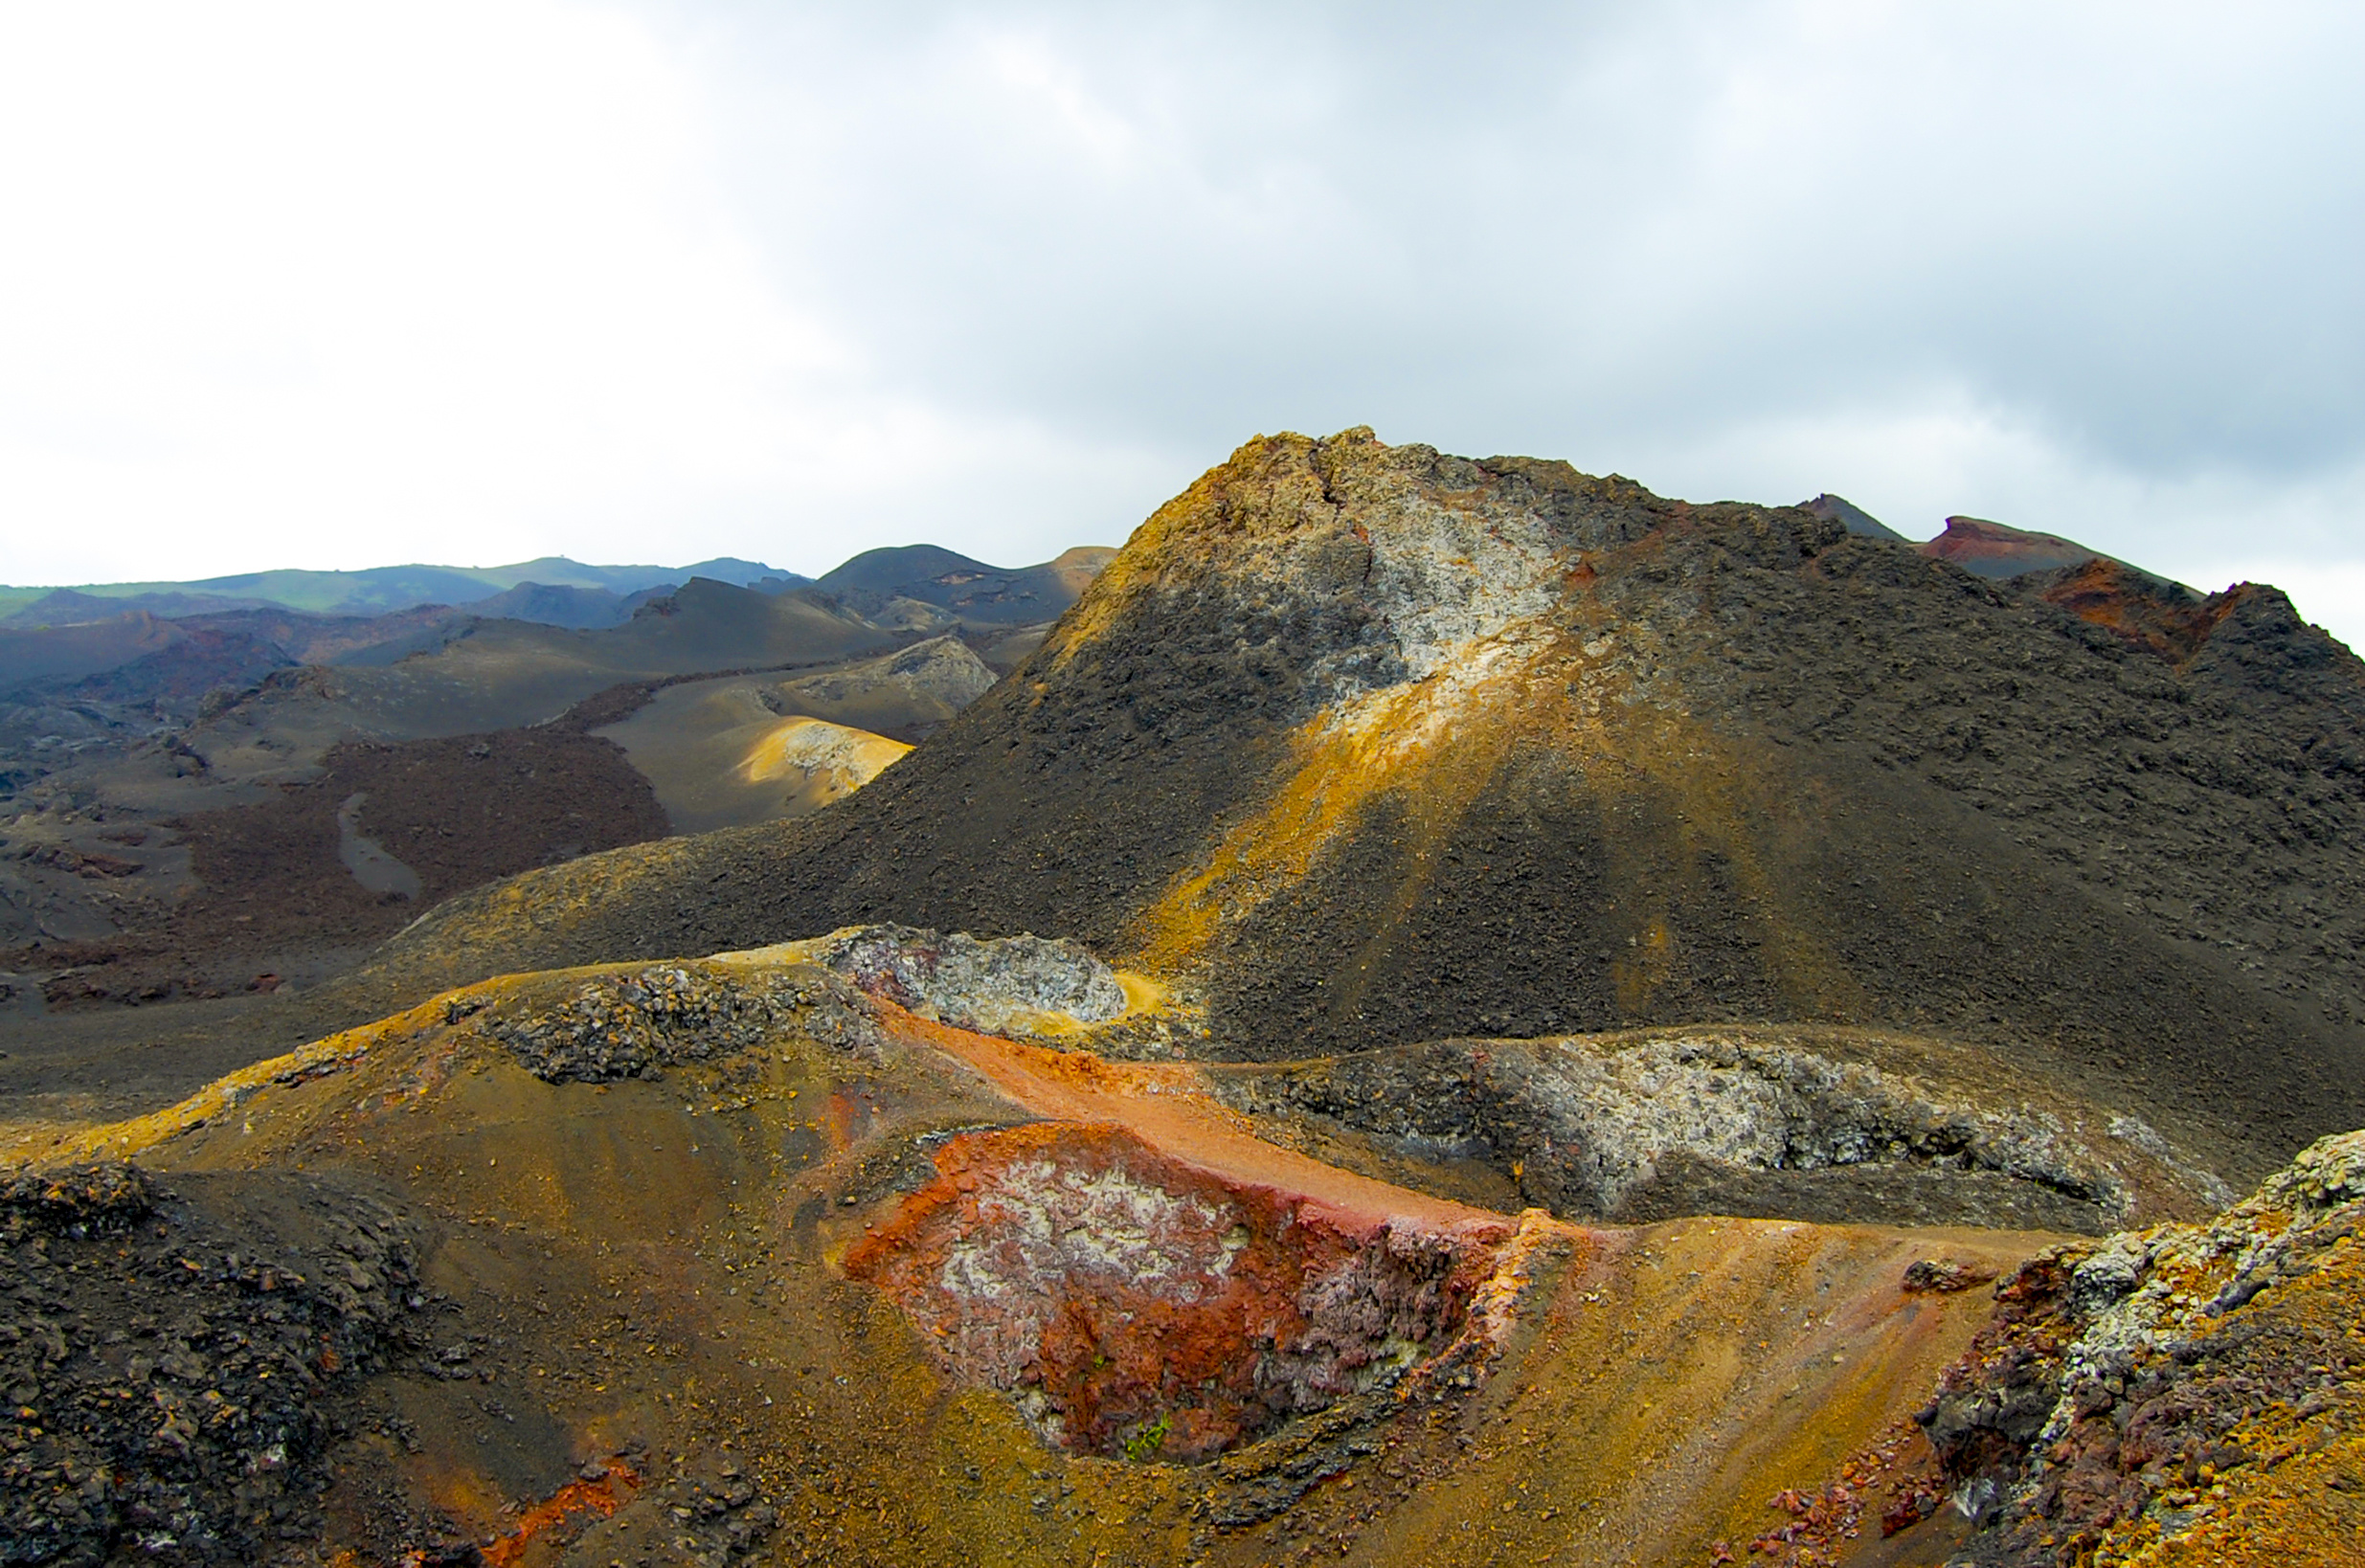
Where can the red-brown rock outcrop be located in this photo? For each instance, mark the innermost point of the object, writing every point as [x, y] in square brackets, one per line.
[1136, 1305]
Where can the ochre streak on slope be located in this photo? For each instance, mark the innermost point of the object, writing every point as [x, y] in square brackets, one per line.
[837, 760]
[1450, 779]
[1416, 738]
[322, 1057]
[1734, 797]
[1438, 745]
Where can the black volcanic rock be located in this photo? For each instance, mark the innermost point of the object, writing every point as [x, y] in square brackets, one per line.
[69, 652]
[202, 659]
[177, 1363]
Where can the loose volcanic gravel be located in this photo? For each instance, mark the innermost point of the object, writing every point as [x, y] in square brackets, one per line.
[637, 1023]
[168, 1373]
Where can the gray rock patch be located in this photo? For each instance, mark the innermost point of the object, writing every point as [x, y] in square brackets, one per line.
[991, 983]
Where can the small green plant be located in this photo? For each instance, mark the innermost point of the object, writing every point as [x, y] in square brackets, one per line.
[1145, 1443]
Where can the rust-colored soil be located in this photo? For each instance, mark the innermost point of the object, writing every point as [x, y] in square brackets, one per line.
[564, 1511]
[1139, 1305]
[2155, 617]
[1165, 1107]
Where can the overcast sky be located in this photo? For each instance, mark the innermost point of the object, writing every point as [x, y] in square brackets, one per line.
[341, 286]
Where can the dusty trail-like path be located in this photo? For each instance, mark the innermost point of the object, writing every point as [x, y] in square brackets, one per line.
[1166, 1108]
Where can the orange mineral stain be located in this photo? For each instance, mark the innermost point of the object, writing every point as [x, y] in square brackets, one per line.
[564, 1507]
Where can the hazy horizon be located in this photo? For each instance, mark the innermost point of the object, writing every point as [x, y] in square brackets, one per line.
[669, 281]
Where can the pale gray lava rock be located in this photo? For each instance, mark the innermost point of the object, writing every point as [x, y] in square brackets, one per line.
[2117, 1380]
[1680, 1124]
[2328, 1174]
[990, 984]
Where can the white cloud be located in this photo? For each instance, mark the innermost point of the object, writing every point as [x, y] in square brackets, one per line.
[336, 285]
[331, 286]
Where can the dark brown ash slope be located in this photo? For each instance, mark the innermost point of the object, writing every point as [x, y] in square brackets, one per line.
[1726, 761]
[272, 894]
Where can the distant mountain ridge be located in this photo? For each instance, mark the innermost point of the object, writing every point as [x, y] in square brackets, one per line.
[384, 614]
[241, 748]
[968, 589]
[373, 590]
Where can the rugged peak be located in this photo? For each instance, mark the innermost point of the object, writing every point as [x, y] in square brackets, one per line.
[1994, 549]
[1358, 565]
[1856, 520]
[2163, 618]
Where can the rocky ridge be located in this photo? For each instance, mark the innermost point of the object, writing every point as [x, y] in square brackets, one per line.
[1703, 1121]
[637, 1022]
[694, 1163]
[176, 1378]
[2187, 1393]
[1826, 1125]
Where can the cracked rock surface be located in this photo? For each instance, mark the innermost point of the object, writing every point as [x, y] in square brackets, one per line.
[1702, 1122]
[171, 1375]
[2191, 1391]
[636, 1023]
